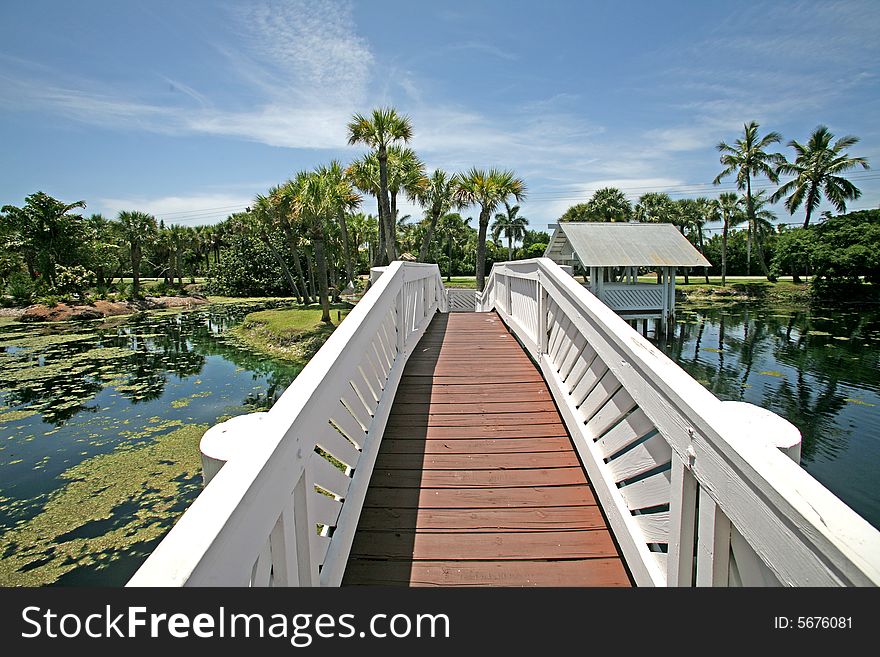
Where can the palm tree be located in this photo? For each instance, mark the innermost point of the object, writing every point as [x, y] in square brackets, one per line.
[263, 211]
[815, 170]
[487, 188]
[406, 173]
[48, 231]
[138, 230]
[285, 218]
[707, 210]
[349, 201]
[437, 199]
[383, 128]
[609, 204]
[313, 200]
[512, 225]
[654, 207]
[730, 211]
[746, 158]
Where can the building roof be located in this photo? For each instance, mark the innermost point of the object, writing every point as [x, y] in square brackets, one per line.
[596, 244]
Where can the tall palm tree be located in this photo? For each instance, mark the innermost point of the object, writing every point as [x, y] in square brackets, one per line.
[815, 170]
[748, 157]
[437, 198]
[349, 200]
[487, 188]
[730, 212]
[455, 230]
[511, 225]
[609, 204]
[383, 128]
[139, 229]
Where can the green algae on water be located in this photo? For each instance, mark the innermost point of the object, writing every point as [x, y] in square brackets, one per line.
[110, 503]
[15, 416]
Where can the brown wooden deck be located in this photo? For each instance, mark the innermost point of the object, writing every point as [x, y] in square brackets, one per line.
[476, 482]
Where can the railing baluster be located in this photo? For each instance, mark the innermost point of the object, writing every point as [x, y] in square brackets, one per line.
[713, 543]
[682, 516]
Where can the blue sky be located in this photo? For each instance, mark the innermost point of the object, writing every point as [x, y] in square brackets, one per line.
[189, 109]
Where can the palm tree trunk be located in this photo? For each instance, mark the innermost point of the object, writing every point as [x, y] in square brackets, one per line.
[379, 257]
[385, 208]
[510, 247]
[702, 251]
[346, 251]
[321, 261]
[429, 236]
[449, 269]
[760, 250]
[724, 253]
[297, 265]
[311, 272]
[284, 268]
[481, 249]
[811, 196]
[135, 270]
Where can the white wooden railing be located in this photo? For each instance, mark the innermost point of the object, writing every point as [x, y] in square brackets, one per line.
[279, 513]
[695, 490]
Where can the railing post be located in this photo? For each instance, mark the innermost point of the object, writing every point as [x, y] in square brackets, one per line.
[222, 441]
[682, 518]
[542, 315]
[713, 543]
[401, 319]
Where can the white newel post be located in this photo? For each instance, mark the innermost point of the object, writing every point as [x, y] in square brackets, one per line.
[222, 441]
[760, 424]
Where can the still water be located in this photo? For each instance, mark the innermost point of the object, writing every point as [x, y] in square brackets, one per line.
[818, 368]
[99, 430]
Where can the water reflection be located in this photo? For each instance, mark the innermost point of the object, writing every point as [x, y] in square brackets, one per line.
[84, 406]
[820, 369]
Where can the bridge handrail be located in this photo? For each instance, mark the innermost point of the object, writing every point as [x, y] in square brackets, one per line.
[257, 521]
[694, 488]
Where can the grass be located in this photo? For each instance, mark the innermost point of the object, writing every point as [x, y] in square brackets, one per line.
[292, 334]
[469, 282]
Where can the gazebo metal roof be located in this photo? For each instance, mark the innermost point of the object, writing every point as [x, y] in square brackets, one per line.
[622, 245]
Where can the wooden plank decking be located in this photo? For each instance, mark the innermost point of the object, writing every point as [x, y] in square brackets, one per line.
[476, 482]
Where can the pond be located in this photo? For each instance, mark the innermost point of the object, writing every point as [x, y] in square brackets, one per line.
[99, 430]
[819, 368]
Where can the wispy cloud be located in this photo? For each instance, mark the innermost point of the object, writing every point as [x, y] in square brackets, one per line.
[303, 61]
[486, 49]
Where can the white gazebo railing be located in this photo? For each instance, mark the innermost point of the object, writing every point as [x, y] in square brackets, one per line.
[697, 491]
[634, 297]
[284, 508]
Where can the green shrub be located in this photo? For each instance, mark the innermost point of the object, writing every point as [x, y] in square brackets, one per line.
[20, 287]
[74, 279]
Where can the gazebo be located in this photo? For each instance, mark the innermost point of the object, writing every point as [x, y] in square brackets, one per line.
[611, 255]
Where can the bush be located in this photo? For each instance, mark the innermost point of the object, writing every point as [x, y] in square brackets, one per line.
[74, 279]
[248, 268]
[20, 287]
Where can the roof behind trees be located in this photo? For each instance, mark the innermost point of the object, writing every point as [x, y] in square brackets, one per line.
[596, 244]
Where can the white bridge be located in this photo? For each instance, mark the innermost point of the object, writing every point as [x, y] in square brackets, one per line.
[695, 491]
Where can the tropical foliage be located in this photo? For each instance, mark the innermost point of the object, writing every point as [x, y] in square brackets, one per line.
[816, 170]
